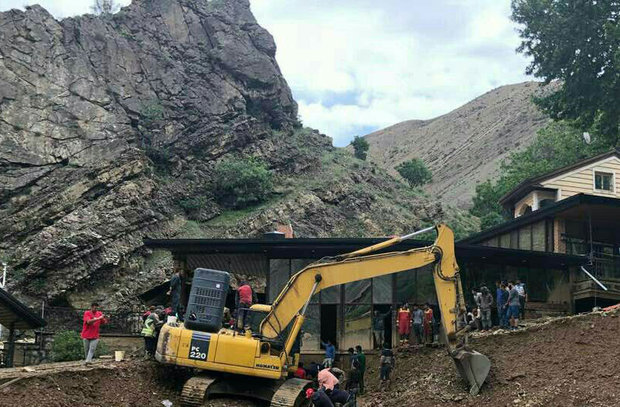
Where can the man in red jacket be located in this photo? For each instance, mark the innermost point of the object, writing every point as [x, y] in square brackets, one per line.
[93, 318]
[245, 299]
[403, 322]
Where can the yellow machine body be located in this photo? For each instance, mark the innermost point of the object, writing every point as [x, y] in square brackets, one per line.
[226, 351]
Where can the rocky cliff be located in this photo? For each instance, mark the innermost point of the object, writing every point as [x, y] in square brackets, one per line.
[109, 123]
[466, 146]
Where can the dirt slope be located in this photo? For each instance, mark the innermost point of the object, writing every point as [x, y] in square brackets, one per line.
[571, 362]
[465, 146]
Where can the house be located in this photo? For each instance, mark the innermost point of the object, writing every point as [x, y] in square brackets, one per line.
[344, 313]
[572, 210]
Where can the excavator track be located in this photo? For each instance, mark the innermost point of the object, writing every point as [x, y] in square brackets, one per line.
[290, 393]
[195, 390]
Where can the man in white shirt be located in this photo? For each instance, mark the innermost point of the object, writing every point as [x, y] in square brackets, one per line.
[520, 286]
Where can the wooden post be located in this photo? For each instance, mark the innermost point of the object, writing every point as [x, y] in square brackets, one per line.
[11, 352]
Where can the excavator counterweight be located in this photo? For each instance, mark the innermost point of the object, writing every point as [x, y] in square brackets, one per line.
[267, 352]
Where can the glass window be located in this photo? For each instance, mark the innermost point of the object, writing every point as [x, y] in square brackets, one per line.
[357, 324]
[405, 287]
[382, 289]
[425, 291]
[504, 241]
[538, 236]
[331, 295]
[603, 181]
[525, 238]
[311, 330]
[278, 276]
[357, 291]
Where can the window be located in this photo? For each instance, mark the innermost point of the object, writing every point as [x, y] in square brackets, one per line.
[603, 181]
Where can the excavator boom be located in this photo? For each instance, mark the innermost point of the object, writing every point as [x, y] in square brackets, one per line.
[361, 265]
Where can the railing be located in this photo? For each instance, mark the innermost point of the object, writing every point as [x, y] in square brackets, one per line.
[606, 265]
[119, 322]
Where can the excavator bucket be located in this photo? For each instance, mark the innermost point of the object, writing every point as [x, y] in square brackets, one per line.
[473, 367]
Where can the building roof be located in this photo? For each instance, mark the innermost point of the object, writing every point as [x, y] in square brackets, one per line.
[534, 183]
[15, 314]
[321, 247]
[599, 206]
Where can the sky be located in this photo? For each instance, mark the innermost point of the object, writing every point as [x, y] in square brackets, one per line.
[356, 66]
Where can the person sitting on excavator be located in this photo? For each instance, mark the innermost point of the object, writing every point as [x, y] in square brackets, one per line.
[403, 322]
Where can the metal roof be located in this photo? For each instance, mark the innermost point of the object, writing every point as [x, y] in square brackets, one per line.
[15, 314]
[321, 247]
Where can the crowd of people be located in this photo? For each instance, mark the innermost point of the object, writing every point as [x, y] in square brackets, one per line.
[510, 299]
[421, 320]
[334, 386]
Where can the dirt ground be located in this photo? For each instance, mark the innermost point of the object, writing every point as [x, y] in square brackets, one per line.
[563, 362]
[568, 362]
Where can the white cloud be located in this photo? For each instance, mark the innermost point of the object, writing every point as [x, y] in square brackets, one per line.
[359, 65]
[402, 59]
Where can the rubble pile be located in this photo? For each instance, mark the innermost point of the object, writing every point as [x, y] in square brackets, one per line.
[569, 361]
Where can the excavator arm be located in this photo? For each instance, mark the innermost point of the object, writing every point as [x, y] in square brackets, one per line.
[291, 303]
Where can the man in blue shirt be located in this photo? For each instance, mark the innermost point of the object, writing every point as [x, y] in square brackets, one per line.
[501, 297]
[513, 306]
[330, 353]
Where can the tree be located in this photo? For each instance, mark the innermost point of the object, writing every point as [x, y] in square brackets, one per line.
[414, 172]
[360, 146]
[239, 183]
[578, 44]
[104, 7]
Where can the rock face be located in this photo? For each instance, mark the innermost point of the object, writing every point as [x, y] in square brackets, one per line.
[466, 146]
[108, 124]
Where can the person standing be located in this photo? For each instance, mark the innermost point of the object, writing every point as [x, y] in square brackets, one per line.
[513, 306]
[520, 286]
[403, 322]
[93, 318]
[387, 363]
[330, 353]
[501, 297]
[149, 332]
[175, 293]
[378, 327]
[418, 320]
[429, 322]
[361, 357]
[486, 301]
[244, 300]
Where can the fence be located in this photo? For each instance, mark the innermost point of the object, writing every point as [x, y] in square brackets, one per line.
[69, 319]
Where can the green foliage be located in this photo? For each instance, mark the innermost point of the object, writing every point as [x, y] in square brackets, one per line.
[360, 147]
[578, 43]
[68, 346]
[556, 145]
[491, 219]
[151, 112]
[415, 172]
[239, 183]
[193, 204]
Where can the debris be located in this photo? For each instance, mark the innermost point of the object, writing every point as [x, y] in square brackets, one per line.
[167, 403]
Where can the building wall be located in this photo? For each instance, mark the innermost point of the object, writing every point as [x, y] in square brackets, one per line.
[582, 180]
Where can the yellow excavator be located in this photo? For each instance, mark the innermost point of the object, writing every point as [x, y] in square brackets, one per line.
[257, 362]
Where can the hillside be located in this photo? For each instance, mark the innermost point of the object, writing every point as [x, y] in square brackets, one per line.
[466, 146]
[110, 129]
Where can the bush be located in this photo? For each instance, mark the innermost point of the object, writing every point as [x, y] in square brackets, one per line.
[68, 346]
[360, 147]
[239, 183]
[414, 172]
